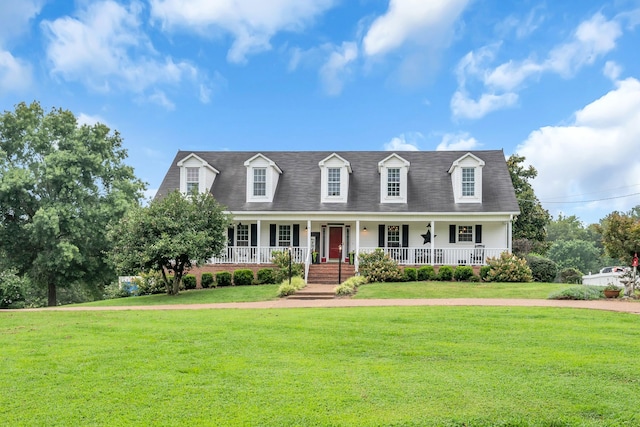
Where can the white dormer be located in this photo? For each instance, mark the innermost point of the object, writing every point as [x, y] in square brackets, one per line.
[334, 173]
[196, 173]
[466, 179]
[393, 179]
[262, 178]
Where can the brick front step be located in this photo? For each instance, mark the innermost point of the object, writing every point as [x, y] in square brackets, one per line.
[328, 273]
[314, 291]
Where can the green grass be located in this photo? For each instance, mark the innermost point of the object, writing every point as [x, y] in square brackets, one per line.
[384, 366]
[198, 296]
[459, 290]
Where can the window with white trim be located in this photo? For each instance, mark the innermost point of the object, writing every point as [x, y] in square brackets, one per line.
[393, 182]
[393, 236]
[259, 181]
[193, 179]
[333, 181]
[284, 235]
[465, 233]
[468, 182]
[242, 235]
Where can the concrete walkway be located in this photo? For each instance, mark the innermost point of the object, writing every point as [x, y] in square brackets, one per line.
[609, 305]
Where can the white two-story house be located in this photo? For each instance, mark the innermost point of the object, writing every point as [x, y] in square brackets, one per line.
[421, 207]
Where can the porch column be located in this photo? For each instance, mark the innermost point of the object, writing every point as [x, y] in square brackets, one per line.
[357, 251]
[258, 241]
[433, 243]
[510, 234]
[308, 241]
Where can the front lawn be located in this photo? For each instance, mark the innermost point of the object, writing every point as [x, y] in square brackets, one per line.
[368, 366]
[197, 296]
[459, 290]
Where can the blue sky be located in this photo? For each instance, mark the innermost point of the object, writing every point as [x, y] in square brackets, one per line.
[555, 81]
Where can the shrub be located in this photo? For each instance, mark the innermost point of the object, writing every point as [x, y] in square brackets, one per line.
[410, 274]
[484, 272]
[286, 289]
[265, 276]
[223, 278]
[281, 260]
[542, 269]
[475, 278]
[114, 290]
[462, 273]
[243, 277]
[12, 289]
[349, 286]
[445, 273]
[206, 280]
[570, 275]
[426, 272]
[583, 292]
[150, 283]
[509, 268]
[379, 267]
[189, 281]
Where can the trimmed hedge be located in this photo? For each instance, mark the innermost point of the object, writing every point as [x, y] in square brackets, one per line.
[266, 276]
[463, 273]
[189, 281]
[223, 278]
[243, 277]
[543, 269]
[410, 274]
[445, 273]
[206, 280]
[426, 272]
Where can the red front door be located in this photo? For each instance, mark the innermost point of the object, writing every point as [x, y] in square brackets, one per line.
[335, 240]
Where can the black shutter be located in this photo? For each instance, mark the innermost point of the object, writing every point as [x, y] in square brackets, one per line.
[272, 235]
[478, 233]
[296, 235]
[254, 234]
[381, 235]
[230, 231]
[405, 235]
[452, 233]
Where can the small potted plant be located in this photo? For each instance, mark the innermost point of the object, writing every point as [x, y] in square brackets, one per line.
[314, 257]
[612, 291]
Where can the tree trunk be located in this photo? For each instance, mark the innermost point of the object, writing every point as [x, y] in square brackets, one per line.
[52, 299]
[176, 284]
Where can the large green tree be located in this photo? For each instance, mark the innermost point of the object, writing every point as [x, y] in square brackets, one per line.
[529, 228]
[169, 235]
[61, 184]
[621, 235]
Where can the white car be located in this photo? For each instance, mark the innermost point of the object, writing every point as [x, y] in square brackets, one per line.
[615, 269]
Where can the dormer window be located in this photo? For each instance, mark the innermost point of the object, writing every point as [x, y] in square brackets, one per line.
[196, 174]
[193, 180]
[334, 173]
[466, 179]
[262, 178]
[259, 182]
[394, 172]
[468, 182]
[393, 182]
[333, 182]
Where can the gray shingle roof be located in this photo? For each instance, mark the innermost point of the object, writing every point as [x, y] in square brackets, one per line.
[429, 184]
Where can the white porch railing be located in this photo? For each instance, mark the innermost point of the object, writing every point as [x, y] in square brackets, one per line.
[254, 255]
[404, 256]
[440, 256]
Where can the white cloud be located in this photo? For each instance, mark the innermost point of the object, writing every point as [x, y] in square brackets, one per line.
[252, 23]
[15, 74]
[412, 21]
[612, 70]
[337, 68]
[160, 98]
[591, 158]
[457, 142]
[591, 40]
[105, 49]
[86, 119]
[15, 15]
[404, 142]
[463, 106]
